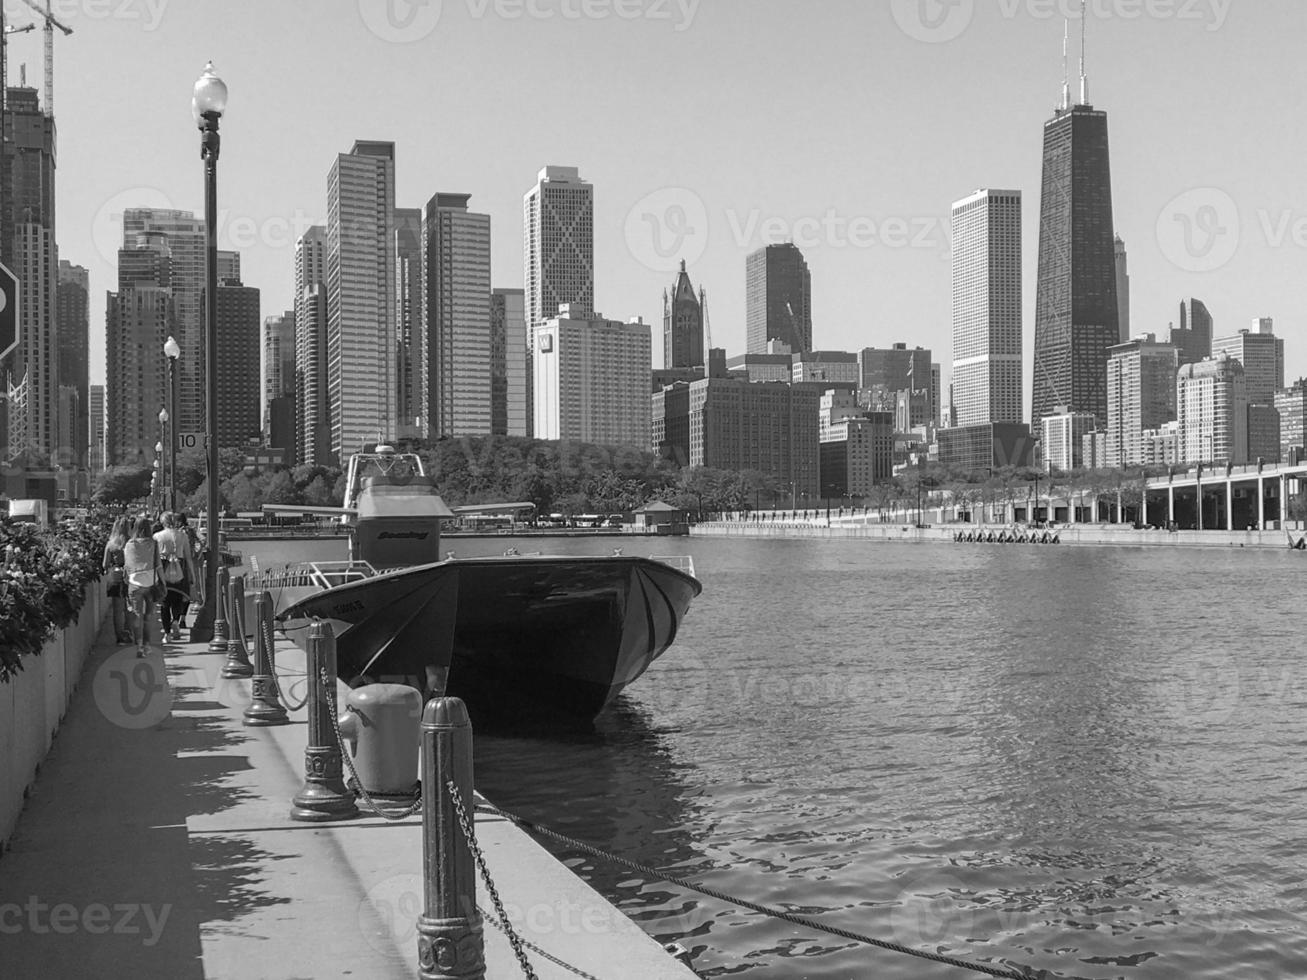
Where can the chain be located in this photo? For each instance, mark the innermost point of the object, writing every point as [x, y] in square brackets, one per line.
[369, 803]
[536, 949]
[276, 683]
[265, 630]
[465, 822]
[1025, 974]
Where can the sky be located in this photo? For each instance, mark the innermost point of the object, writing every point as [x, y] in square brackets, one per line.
[708, 129]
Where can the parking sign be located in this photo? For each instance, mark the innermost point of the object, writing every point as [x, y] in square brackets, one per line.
[8, 312]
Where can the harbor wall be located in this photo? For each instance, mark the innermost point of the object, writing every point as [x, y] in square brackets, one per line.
[1071, 534]
[34, 702]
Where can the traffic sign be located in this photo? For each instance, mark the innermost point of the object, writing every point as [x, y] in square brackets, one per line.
[191, 440]
[8, 312]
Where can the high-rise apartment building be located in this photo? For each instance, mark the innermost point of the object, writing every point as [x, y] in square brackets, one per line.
[95, 429]
[1122, 291]
[1193, 338]
[362, 349]
[456, 318]
[240, 414]
[592, 379]
[683, 324]
[987, 307]
[1076, 308]
[508, 359]
[1062, 439]
[1291, 405]
[1262, 355]
[1140, 396]
[74, 325]
[1212, 405]
[312, 416]
[410, 367]
[777, 299]
[833, 367]
[278, 384]
[33, 368]
[557, 252]
[727, 424]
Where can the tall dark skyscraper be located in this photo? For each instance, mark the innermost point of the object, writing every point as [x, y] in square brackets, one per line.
[682, 324]
[777, 299]
[1193, 339]
[1076, 312]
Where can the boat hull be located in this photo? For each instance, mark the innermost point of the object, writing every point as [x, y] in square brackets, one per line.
[520, 639]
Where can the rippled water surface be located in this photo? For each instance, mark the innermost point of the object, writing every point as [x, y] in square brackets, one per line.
[1086, 760]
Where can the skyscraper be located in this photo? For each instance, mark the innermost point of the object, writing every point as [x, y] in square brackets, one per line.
[95, 429]
[278, 380]
[456, 317]
[987, 307]
[1076, 313]
[1262, 355]
[312, 425]
[883, 372]
[592, 379]
[362, 349]
[410, 363]
[1212, 405]
[508, 358]
[777, 299]
[33, 368]
[1140, 396]
[682, 324]
[74, 324]
[1122, 290]
[240, 414]
[558, 252]
[1193, 339]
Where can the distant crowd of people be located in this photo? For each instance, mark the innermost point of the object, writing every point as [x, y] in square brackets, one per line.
[149, 563]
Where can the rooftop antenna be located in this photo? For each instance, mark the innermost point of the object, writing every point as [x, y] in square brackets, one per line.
[1066, 84]
[1084, 81]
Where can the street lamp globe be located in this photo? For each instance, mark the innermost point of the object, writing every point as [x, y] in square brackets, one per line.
[158, 448]
[171, 350]
[210, 95]
[163, 416]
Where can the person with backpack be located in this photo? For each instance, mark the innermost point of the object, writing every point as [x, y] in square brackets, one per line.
[177, 559]
[116, 578]
[184, 529]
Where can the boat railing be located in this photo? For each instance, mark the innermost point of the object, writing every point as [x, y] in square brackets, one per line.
[322, 574]
[682, 563]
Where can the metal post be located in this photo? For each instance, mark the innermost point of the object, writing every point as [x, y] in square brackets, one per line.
[324, 795]
[450, 943]
[264, 708]
[238, 658]
[172, 438]
[219, 642]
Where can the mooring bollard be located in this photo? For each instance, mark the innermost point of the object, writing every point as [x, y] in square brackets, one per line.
[265, 708]
[238, 657]
[219, 642]
[450, 942]
[324, 795]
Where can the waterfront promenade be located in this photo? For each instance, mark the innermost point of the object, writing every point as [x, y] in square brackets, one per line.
[156, 843]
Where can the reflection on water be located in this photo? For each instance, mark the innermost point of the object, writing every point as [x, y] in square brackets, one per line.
[1086, 760]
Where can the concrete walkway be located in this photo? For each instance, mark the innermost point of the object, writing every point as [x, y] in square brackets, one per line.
[157, 843]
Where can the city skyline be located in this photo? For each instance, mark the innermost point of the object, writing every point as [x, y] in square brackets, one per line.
[870, 287]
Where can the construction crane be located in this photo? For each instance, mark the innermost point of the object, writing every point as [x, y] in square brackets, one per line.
[50, 25]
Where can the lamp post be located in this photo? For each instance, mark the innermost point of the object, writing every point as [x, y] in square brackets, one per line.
[171, 351]
[165, 502]
[208, 101]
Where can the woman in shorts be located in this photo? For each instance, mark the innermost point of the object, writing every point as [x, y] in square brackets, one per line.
[141, 564]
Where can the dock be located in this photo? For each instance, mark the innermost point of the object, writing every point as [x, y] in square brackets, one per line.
[156, 842]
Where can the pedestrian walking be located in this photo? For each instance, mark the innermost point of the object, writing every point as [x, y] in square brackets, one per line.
[177, 559]
[144, 581]
[116, 579]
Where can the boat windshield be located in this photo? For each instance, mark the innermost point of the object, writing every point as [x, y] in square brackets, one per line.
[329, 574]
[682, 563]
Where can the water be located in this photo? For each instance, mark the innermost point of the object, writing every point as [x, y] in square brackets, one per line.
[1086, 760]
